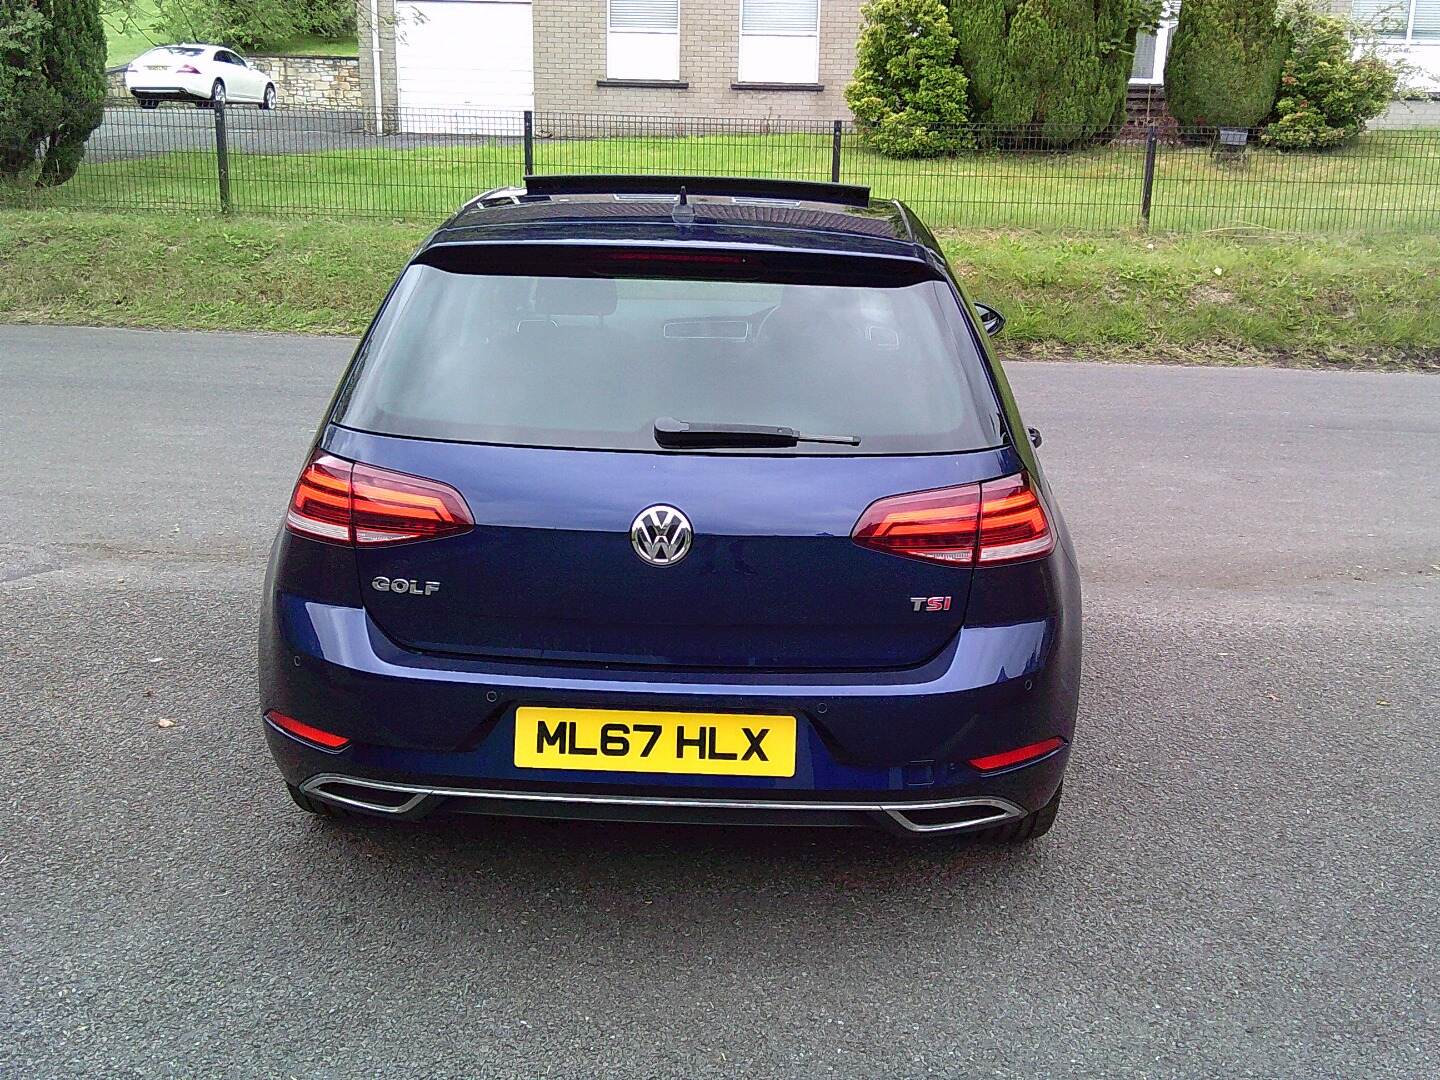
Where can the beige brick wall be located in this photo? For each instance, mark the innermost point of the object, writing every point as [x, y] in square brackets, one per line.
[570, 58]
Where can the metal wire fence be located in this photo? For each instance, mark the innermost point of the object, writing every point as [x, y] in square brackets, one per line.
[421, 164]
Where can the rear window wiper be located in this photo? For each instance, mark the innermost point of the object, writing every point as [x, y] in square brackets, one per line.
[671, 433]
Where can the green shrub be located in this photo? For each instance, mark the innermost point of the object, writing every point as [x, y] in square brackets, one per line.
[907, 96]
[75, 67]
[1054, 72]
[326, 18]
[26, 100]
[1332, 82]
[52, 86]
[1224, 64]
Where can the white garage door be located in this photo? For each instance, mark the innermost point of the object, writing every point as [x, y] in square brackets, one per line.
[464, 65]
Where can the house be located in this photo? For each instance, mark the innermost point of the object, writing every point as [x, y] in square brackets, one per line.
[1407, 31]
[747, 59]
[475, 65]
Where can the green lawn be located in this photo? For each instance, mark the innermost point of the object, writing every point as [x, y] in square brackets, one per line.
[305, 45]
[126, 37]
[1389, 182]
[1202, 298]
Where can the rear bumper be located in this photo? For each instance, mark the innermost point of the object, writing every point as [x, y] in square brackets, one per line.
[886, 748]
[168, 95]
[169, 87]
[409, 800]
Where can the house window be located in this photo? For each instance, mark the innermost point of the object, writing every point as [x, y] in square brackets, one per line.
[643, 40]
[1143, 69]
[1401, 20]
[1150, 51]
[779, 41]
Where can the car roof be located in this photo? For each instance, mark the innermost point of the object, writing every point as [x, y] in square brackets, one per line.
[781, 214]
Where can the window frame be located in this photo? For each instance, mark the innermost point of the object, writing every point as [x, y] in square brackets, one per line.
[812, 76]
[1406, 37]
[1164, 30]
[672, 70]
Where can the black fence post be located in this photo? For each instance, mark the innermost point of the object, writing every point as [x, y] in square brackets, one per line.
[529, 142]
[1147, 190]
[835, 153]
[222, 155]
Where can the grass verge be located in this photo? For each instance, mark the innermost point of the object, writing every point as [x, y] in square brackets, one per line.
[1207, 299]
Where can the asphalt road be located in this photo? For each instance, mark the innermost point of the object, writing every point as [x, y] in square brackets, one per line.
[1243, 881]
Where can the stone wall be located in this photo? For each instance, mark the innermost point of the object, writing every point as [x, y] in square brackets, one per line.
[331, 82]
[323, 81]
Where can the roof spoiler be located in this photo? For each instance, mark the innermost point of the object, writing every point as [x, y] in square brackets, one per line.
[739, 187]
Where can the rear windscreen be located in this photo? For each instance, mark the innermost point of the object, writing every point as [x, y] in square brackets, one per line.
[593, 362]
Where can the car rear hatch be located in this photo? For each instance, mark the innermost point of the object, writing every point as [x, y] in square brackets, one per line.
[543, 401]
[772, 580]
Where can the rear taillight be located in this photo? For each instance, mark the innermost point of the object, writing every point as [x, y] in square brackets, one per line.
[938, 525]
[1012, 522]
[320, 506]
[350, 503]
[998, 521]
[187, 69]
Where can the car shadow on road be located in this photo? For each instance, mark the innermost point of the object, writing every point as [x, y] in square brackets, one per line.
[545, 856]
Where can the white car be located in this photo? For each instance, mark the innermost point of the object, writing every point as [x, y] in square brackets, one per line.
[203, 74]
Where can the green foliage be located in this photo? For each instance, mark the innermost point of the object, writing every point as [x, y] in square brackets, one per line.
[52, 86]
[1051, 72]
[326, 18]
[907, 96]
[26, 100]
[1224, 64]
[242, 24]
[75, 68]
[1331, 85]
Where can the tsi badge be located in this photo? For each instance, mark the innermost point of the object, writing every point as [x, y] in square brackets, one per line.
[930, 603]
[404, 585]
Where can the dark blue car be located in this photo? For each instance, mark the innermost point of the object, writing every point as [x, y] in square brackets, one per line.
[677, 499]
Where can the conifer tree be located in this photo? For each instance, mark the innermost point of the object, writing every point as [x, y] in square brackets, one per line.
[1225, 62]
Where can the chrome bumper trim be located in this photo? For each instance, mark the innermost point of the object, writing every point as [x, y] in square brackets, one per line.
[1005, 810]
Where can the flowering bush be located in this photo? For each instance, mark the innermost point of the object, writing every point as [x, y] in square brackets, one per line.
[1331, 84]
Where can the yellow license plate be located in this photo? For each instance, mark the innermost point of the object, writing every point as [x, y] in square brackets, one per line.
[610, 740]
